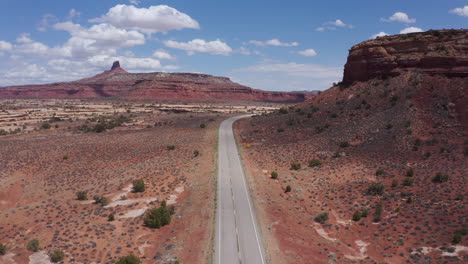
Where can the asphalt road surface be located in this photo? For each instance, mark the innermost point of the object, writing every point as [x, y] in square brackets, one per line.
[237, 234]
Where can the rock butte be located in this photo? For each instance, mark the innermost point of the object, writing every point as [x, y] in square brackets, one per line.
[443, 52]
[119, 83]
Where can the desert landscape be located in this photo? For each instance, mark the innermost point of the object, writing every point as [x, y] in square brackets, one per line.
[233, 132]
[53, 149]
[372, 170]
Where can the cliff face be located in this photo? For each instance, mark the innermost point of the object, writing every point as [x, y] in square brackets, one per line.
[158, 86]
[443, 52]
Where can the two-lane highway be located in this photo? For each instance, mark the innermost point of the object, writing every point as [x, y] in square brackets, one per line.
[237, 235]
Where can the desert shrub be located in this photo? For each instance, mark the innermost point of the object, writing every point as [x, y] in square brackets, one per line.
[457, 238]
[100, 200]
[321, 218]
[130, 259]
[81, 195]
[378, 213]
[376, 188]
[408, 182]
[138, 186]
[33, 245]
[158, 217]
[170, 147]
[440, 177]
[196, 153]
[315, 163]
[274, 175]
[409, 200]
[3, 249]
[379, 172]
[55, 119]
[288, 189]
[357, 216]
[410, 172]
[57, 256]
[280, 130]
[395, 183]
[45, 125]
[283, 110]
[202, 125]
[388, 126]
[365, 212]
[295, 166]
[344, 144]
[111, 218]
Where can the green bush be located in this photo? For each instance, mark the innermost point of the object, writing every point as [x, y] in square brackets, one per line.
[100, 200]
[344, 144]
[45, 125]
[379, 172]
[408, 182]
[357, 216]
[288, 189]
[376, 188]
[410, 172]
[274, 175]
[33, 245]
[130, 259]
[196, 153]
[111, 218]
[440, 177]
[321, 218]
[81, 195]
[365, 212]
[295, 166]
[158, 217]
[57, 256]
[394, 183]
[378, 213]
[280, 130]
[3, 249]
[202, 125]
[315, 163]
[138, 186]
[457, 238]
[170, 147]
[283, 110]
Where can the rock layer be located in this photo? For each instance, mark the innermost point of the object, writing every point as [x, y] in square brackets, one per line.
[442, 52]
[154, 86]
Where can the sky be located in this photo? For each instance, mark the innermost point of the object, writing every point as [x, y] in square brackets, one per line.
[275, 45]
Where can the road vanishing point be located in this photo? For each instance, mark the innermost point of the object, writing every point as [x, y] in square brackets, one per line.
[238, 240]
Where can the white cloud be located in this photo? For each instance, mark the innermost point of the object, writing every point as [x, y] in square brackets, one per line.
[244, 51]
[5, 46]
[399, 17]
[410, 30]
[461, 11]
[288, 76]
[380, 34]
[73, 13]
[161, 54]
[46, 21]
[98, 39]
[274, 42]
[307, 52]
[332, 25]
[216, 47]
[161, 18]
[134, 2]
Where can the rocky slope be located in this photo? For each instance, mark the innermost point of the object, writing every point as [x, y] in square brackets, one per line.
[434, 52]
[397, 127]
[154, 86]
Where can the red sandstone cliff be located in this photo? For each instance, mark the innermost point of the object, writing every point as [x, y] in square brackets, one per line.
[443, 52]
[158, 86]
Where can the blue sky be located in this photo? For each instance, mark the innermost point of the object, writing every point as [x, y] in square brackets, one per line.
[265, 44]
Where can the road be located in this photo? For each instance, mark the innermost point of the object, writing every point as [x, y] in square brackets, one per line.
[237, 234]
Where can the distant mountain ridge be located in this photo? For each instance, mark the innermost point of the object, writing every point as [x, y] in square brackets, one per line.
[118, 83]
